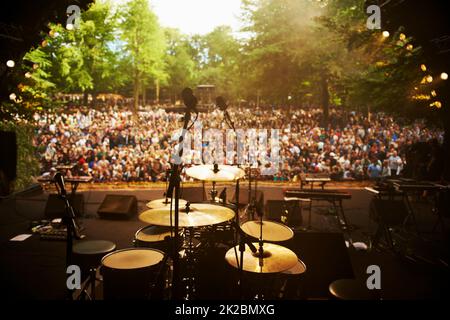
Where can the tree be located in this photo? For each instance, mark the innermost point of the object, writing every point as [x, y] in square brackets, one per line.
[220, 55]
[180, 63]
[81, 59]
[145, 45]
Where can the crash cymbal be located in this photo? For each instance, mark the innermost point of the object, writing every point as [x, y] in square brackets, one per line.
[161, 203]
[271, 231]
[275, 259]
[200, 215]
[224, 173]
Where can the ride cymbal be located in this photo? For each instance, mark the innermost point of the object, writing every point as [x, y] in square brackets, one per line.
[274, 259]
[199, 215]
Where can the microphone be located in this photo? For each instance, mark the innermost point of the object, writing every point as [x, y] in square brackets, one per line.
[59, 180]
[190, 101]
[222, 105]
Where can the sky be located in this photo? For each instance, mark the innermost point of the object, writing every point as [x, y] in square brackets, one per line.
[197, 16]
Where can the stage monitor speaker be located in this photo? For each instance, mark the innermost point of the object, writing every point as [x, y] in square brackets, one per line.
[55, 207]
[276, 209]
[326, 258]
[118, 207]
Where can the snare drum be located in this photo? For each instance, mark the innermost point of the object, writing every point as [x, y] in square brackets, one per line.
[131, 273]
[153, 237]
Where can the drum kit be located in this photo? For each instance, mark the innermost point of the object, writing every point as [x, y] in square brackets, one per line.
[169, 241]
[150, 259]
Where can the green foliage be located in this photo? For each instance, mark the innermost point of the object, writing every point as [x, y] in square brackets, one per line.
[82, 59]
[145, 44]
[180, 64]
[27, 164]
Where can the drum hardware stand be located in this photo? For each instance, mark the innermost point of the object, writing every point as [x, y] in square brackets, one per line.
[251, 206]
[260, 296]
[190, 267]
[243, 240]
[160, 274]
[214, 191]
[89, 282]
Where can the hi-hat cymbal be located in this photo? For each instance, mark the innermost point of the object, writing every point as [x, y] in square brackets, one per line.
[271, 231]
[224, 173]
[161, 203]
[200, 215]
[275, 259]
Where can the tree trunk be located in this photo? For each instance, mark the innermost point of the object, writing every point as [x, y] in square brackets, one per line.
[325, 101]
[85, 98]
[136, 93]
[144, 95]
[258, 98]
[157, 88]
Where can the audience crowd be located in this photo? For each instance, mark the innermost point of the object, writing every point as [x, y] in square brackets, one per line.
[114, 145]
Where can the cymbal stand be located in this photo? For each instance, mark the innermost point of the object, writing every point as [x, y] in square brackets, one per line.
[213, 191]
[260, 295]
[251, 206]
[239, 234]
[243, 240]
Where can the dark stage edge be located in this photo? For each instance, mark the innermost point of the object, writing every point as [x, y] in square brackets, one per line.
[34, 269]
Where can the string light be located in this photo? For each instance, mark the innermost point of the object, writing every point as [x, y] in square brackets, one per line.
[436, 104]
[402, 37]
[12, 96]
[433, 93]
[444, 76]
[429, 79]
[423, 67]
[28, 75]
[69, 26]
[409, 47]
[10, 63]
[386, 34]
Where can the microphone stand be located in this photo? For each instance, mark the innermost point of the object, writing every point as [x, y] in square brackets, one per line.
[239, 233]
[174, 184]
[72, 228]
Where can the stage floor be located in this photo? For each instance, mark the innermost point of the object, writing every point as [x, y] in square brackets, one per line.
[35, 268]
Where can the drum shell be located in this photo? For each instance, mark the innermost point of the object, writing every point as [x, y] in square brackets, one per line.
[124, 284]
